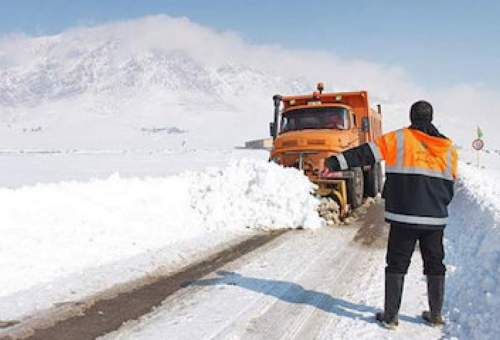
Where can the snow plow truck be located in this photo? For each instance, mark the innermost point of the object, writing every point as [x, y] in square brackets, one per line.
[309, 128]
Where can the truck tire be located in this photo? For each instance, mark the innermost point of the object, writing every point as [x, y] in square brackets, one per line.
[372, 179]
[355, 188]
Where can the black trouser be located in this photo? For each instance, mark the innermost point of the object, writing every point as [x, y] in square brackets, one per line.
[402, 240]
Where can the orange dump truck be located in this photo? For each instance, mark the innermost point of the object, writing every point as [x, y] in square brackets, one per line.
[309, 128]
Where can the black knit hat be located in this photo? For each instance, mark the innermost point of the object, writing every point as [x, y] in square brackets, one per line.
[421, 111]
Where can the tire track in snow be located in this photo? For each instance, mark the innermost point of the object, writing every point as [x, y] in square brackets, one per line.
[262, 304]
[306, 324]
[201, 298]
[307, 285]
[275, 309]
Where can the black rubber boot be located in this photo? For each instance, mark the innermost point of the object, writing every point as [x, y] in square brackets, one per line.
[393, 292]
[435, 293]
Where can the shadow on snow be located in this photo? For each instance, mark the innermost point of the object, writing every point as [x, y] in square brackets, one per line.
[294, 293]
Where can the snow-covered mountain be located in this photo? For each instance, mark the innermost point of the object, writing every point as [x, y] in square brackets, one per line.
[151, 91]
[87, 89]
[160, 82]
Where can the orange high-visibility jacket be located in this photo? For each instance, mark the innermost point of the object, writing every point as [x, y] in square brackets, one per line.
[420, 172]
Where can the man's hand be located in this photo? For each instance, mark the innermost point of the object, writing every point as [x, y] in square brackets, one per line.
[326, 167]
[325, 173]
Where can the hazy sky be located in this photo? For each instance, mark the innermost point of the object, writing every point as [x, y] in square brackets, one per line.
[438, 42]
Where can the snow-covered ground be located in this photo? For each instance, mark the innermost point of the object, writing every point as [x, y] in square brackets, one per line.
[76, 238]
[29, 167]
[473, 254]
[320, 284]
[72, 238]
[314, 303]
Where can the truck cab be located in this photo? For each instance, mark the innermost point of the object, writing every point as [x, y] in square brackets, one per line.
[309, 128]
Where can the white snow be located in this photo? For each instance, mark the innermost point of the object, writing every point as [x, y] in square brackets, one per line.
[29, 167]
[52, 231]
[473, 255]
[305, 285]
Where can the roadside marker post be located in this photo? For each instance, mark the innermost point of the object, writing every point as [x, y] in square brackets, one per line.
[478, 145]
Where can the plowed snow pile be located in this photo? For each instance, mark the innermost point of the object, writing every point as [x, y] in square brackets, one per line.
[127, 226]
[473, 256]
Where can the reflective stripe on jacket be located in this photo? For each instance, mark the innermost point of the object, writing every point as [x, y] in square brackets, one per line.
[420, 173]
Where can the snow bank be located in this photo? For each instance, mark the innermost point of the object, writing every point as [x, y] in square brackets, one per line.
[50, 231]
[473, 255]
[253, 194]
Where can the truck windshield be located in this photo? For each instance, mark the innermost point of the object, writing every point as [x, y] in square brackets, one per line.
[315, 118]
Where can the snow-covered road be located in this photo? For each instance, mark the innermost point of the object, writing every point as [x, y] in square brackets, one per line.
[311, 284]
[317, 283]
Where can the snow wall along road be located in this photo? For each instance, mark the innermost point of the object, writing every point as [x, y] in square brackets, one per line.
[473, 256]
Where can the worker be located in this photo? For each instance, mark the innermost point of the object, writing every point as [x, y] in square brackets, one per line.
[420, 166]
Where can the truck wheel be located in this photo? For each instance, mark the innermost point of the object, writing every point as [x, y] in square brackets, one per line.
[372, 181]
[355, 188]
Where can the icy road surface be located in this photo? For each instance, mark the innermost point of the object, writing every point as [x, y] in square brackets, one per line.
[311, 284]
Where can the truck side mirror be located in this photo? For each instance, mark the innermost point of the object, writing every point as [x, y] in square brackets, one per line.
[272, 129]
[365, 124]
